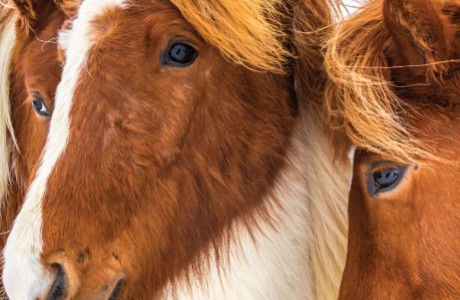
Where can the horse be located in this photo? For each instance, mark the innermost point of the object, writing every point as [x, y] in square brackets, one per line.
[30, 72]
[184, 169]
[394, 89]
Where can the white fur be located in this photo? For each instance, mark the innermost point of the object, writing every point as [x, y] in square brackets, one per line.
[328, 184]
[23, 275]
[7, 42]
[301, 254]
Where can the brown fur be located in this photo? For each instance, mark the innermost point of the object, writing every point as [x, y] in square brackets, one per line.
[403, 244]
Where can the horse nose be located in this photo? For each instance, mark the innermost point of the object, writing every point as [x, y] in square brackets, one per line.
[58, 290]
[117, 289]
[66, 287]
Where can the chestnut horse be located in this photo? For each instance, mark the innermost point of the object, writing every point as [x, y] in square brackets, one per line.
[30, 72]
[181, 162]
[397, 85]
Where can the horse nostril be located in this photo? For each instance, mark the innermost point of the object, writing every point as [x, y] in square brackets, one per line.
[58, 290]
[116, 290]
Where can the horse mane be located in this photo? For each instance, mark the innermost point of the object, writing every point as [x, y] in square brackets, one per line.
[7, 38]
[360, 98]
[312, 23]
[248, 32]
[256, 33]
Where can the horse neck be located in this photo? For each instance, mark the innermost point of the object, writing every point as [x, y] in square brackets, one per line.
[297, 253]
[7, 42]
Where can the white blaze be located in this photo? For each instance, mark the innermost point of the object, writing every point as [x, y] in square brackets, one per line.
[23, 275]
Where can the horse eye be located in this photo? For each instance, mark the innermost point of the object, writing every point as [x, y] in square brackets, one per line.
[385, 180]
[39, 105]
[180, 55]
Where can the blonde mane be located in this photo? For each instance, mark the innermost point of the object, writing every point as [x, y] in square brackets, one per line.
[257, 33]
[359, 98]
[7, 41]
[248, 32]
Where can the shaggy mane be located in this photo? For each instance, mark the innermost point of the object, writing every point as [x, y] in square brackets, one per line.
[256, 33]
[360, 100]
[7, 38]
[248, 32]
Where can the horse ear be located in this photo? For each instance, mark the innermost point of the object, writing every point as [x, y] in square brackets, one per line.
[68, 7]
[33, 11]
[421, 33]
[30, 10]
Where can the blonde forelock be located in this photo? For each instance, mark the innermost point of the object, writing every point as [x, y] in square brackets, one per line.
[360, 99]
[248, 32]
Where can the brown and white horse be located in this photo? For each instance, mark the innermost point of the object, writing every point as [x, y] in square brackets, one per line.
[30, 72]
[402, 59]
[181, 160]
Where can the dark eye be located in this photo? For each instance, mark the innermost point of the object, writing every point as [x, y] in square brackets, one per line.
[39, 105]
[385, 179]
[180, 55]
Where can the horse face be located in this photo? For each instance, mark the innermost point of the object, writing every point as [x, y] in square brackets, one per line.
[157, 142]
[36, 72]
[403, 239]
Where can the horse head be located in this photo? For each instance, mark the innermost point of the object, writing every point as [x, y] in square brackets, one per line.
[403, 203]
[169, 153]
[30, 73]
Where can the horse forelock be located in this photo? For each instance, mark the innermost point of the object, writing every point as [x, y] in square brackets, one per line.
[360, 98]
[258, 33]
[7, 41]
[248, 32]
